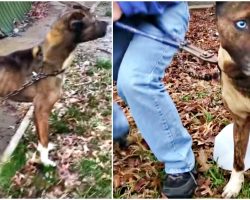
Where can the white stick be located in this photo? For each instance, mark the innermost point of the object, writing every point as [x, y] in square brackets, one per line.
[18, 135]
[195, 7]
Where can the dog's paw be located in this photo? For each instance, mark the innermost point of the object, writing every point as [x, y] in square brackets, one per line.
[51, 146]
[44, 154]
[231, 190]
[48, 162]
[234, 185]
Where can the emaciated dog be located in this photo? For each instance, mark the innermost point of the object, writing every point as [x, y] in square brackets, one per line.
[233, 22]
[76, 25]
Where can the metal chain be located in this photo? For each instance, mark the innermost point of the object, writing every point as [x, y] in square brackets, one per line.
[184, 45]
[35, 78]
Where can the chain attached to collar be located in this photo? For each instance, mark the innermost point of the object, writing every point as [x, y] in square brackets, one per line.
[34, 79]
[183, 45]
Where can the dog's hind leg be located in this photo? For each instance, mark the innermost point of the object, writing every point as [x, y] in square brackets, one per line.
[43, 105]
[241, 136]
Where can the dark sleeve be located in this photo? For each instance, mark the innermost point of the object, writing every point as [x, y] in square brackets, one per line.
[130, 8]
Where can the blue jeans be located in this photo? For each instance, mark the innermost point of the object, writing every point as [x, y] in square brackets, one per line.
[139, 65]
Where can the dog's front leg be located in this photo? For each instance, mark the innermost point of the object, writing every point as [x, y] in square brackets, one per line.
[43, 105]
[241, 136]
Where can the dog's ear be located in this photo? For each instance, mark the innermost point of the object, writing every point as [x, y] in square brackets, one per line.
[80, 7]
[75, 5]
[75, 21]
[76, 25]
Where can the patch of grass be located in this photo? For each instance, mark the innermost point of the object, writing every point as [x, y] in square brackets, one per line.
[106, 79]
[108, 98]
[104, 4]
[208, 116]
[216, 176]
[74, 112]
[224, 122]
[104, 158]
[90, 72]
[101, 185]
[103, 64]
[117, 193]
[107, 112]
[8, 170]
[92, 101]
[245, 191]
[94, 141]
[57, 124]
[46, 178]
[201, 95]
[108, 13]
[186, 97]
[94, 122]
[80, 129]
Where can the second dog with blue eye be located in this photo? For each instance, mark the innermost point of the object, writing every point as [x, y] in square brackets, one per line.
[234, 61]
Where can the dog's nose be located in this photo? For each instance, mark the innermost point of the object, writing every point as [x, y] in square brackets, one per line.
[103, 27]
[103, 24]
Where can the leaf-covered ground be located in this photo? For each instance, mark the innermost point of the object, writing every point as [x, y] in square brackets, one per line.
[80, 126]
[137, 173]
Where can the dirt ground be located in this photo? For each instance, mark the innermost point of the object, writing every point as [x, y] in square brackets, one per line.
[8, 123]
[34, 34]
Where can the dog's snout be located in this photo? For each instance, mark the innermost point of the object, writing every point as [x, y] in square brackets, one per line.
[103, 26]
[103, 23]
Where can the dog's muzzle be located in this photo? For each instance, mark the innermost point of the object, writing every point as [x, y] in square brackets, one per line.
[102, 26]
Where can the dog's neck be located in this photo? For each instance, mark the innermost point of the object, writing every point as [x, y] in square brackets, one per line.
[232, 70]
[239, 80]
[56, 52]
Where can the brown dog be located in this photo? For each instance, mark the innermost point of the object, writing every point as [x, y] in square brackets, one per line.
[53, 55]
[233, 22]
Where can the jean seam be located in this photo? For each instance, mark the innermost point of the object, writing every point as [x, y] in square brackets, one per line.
[166, 128]
[163, 120]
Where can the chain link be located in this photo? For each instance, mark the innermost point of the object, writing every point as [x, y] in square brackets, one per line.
[35, 78]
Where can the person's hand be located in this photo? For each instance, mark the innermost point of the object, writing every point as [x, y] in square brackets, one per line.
[117, 12]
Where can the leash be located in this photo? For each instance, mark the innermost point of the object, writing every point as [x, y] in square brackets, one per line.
[183, 45]
[34, 79]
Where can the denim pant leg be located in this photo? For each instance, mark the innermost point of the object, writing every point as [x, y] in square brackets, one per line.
[139, 84]
[120, 123]
[121, 40]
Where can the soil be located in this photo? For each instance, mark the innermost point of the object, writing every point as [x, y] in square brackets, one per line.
[8, 124]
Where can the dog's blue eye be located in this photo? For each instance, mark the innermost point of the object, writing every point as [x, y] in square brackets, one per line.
[241, 24]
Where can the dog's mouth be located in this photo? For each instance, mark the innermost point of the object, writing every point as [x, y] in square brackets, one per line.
[241, 81]
[246, 72]
[244, 65]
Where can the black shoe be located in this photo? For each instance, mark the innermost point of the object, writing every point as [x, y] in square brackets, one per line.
[180, 185]
[123, 142]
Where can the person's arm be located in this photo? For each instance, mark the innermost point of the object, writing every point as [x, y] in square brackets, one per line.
[117, 12]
